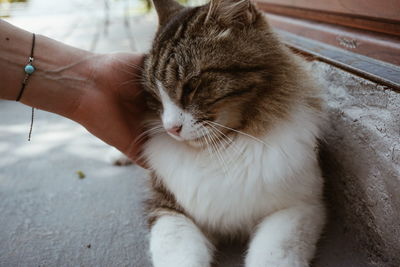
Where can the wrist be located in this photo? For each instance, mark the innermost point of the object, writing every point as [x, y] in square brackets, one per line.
[61, 77]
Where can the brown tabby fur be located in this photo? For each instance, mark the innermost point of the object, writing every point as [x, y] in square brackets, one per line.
[223, 58]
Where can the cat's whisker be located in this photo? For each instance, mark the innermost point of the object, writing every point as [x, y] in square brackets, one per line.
[133, 81]
[201, 139]
[203, 132]
[148, 135]
[152, 125]
[149, 124]
[240, 132]
[142, 158]
[252, 137]
[149, 132]
[230, 141]
[218, 152]
[155, 129]
[152, 122]
[216, 142]
[134, 74]
[218, 137]
[137, 67]
[209, 145]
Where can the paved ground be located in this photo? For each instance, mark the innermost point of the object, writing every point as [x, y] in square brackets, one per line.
[48, 216]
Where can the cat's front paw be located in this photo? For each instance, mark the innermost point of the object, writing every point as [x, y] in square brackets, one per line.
[122, 161]
[176, 241]
[116, 158]
[181, 262]
[283, 261]
[177, 255]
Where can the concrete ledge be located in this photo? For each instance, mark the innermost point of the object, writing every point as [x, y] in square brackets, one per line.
[361, 162]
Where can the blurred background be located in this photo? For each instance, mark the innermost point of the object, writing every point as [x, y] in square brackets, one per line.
[126, 24]
[67, 20]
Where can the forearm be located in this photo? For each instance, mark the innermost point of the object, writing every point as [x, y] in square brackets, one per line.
[101, 92]
[62, 72]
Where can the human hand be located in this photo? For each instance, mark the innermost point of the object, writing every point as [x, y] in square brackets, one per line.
[113, 106]
[101, 92]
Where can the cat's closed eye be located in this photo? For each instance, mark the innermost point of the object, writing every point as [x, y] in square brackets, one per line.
[189, 89]
[231, 95]
[191, 85]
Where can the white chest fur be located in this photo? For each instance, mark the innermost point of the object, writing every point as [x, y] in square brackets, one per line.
[232, 190]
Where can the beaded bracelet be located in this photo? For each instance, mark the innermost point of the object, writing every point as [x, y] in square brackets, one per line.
[29, 69]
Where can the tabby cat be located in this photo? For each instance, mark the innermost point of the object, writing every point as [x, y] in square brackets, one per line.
[232, 139]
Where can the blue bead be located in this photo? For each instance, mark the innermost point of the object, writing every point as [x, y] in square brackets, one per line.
[29, 69]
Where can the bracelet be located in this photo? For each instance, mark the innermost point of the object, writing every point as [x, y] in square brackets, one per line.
[29, 69]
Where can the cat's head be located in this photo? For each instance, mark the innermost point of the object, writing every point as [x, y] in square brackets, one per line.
[209, 67]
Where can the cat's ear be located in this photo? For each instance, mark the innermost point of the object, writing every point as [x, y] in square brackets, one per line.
[165, 9]
[230, 12]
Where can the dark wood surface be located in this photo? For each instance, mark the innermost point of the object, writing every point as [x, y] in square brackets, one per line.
[382, 9]
[365, 23]
[371, 69]
[375, 45]
[361, 36]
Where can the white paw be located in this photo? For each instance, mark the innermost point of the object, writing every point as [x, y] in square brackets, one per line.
[122, 161]
[177, 242]
[116, 158]
[277, 258]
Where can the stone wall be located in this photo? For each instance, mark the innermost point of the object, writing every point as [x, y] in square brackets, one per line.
[361, 160]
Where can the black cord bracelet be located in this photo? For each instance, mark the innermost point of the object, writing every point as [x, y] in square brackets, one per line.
[29, 69]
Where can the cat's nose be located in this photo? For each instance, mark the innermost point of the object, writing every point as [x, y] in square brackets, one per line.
[175, 130]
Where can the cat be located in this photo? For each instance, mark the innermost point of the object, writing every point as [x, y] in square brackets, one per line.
[232, 139]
